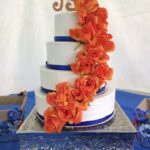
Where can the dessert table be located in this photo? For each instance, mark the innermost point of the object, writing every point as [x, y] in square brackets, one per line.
[128, 102]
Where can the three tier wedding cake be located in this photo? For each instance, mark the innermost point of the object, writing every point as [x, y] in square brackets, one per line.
[74, 91]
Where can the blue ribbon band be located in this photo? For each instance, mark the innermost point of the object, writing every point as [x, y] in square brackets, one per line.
[101, 90]
[86, 123]
[58, 67]
[64, 39]
[93, 122]
[46, 91]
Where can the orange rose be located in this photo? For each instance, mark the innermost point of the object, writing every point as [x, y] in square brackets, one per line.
[52, 122]
[96, 52]
[100, 56]
[97, 18]
[70, 114]
[65, 113]
[83, 34]
[104, 39]
[82, 97]
[63, 87]
[87, 5]
[86, 34]
[93, 51]
[62, 97]
[88, 83]
[52, 98]
[78, 95]
[57, 100]
[83, 66]
[103, 71]
[102, 14]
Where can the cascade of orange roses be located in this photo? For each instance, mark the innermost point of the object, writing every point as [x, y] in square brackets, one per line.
[69, 102]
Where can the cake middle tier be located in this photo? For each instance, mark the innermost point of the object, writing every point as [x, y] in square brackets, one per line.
[50, 78]
[62, 53]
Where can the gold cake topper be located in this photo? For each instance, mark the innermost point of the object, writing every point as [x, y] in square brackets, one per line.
[58, 6]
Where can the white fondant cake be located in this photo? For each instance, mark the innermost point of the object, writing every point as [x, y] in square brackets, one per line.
[64, 53]
[102, 106]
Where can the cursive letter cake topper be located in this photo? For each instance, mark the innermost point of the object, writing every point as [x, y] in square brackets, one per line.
[58, 6]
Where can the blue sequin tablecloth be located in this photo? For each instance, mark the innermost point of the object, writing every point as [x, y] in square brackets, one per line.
[117, 134]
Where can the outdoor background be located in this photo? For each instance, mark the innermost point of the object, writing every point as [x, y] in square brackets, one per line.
[26, 26]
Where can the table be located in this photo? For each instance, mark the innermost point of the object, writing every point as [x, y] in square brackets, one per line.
[128, 101]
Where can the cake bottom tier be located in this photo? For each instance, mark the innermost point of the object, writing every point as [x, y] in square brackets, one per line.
[99, 111]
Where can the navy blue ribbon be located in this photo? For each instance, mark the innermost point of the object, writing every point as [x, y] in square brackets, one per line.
[93, 122]
[58, 67]
[46, 91]
[64, 39]
[86, 123]
[101, 90]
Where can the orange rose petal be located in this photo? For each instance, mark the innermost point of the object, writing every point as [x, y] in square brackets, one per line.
[74, 33]
[78, 118]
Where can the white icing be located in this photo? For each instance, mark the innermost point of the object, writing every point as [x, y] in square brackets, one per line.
[102, 106]
[62, 53]
[64, 22]
[50, 78]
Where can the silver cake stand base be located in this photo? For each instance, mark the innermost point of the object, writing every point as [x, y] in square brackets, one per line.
[117, 134]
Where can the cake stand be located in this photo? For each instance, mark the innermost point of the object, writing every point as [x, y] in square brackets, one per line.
[116, 134]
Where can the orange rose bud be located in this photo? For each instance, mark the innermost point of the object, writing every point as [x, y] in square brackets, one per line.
[52, 122]
[109, 46]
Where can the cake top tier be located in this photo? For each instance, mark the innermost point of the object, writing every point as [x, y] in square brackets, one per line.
[64, 22]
